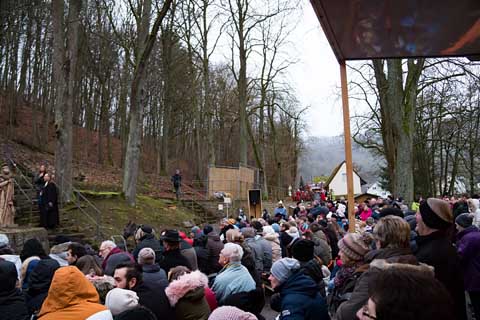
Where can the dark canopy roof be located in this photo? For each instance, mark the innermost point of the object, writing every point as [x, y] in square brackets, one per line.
[368, 29]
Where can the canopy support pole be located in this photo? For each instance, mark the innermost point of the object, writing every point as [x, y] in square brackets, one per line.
[348, 147]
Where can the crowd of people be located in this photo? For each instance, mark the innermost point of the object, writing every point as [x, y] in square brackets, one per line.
[398, 264]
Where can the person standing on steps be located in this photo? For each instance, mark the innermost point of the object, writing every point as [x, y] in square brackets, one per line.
[39, 181]
[177, 183]
[49, 217]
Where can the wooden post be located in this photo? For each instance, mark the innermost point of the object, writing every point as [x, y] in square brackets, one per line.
[348, 147]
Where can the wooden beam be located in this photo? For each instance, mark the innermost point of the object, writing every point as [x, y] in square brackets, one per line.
[348, 147]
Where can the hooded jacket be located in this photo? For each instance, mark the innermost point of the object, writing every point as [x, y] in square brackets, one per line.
[468, 246]
[300, 300]
[214, 246]
[359, 296]
[72, 297]
[40, 280]
[148, 241]
[272, 238]
[12, 302]
[187, 296]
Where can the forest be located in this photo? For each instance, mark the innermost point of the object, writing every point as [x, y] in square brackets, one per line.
[141, 75]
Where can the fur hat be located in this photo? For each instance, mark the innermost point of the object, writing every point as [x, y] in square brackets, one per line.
[230, 313]
[119, 300]
[146, 254]
[302, 250]
[355, 246]
[436, 214]
[464, 220]
[283, 268]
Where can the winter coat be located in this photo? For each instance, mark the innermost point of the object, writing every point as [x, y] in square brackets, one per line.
[248, 261]
[259, 254]
[476, 218]
[285, 242]
[114, 258]
[437, 251]
[39, 284]
[280, 211]
[299, 299]
[49, 217]
[155, 299]
[359, 296]
[251, 301]
[172, 259]
[468, 246]
[187, 296]
[267, 252]
[272, 238]
[313, 269]
[72, 297]
[189, 253]
[322, 249]
[12, 302]
[148, 241]
[343, 292]
[233, 278]
[202, 258]
[153, 275]
[211, 299]
[214, 246]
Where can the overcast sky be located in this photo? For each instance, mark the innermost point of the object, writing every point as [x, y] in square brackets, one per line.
[317, 77]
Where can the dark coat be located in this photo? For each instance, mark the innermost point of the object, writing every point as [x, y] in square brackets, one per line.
[468, 246]
[153, 275]
[437, 251]
[202, 258]
[176, 180]
[49, 217]
[172, 259]
[214, 246]
[155, 299]
[189, 253]
[114, 258]
[299, 299]
[359, 296]
[12, 302]
[148, 241]
[39, 282]
[252, 301]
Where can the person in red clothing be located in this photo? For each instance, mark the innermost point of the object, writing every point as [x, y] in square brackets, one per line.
[112, 256]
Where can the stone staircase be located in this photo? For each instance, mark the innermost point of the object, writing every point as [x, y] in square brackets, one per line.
[205, 211]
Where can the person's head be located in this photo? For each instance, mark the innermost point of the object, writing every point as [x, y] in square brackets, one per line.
[230, 313]
[5, 245]
[127, 275]
[472, 205]
[410, 293]
[119, 300]
[433, 215]
[146, 256]
[207, 229]
[234, 235]
[392, 232]
[8, 277]
[105, 248]
[177, 272]
[281, 270]
[177, 171]
[353, 247]
[302, 250]
[464, 221]
[280, 204]
[47, 177]
[248, 233]
[231, 252]
[143, 231]
[171, 240]
[42, 168]
[89, 266]
[32, 247]
[74, 252]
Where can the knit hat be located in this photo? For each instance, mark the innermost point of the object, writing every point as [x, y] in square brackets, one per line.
[268, 230]
[302, 250]
[355, 246]
[464, 220]
[276, 227]
[391, 212]
[3, 240]
[283, 268]
[119, 300]
[146, 254]
[207, 229]
[230, 313]
[436, 214]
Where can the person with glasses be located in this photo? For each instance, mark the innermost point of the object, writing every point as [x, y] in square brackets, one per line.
[392, 239]
[406, 292]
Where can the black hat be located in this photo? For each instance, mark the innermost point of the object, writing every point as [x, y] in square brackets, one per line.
[464, 220]
[257, 226]
[171, 236]
[146, 228]
[207, 229]
[302, 250]
[391, 212]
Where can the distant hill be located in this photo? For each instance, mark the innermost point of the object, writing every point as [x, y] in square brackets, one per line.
[323, 154]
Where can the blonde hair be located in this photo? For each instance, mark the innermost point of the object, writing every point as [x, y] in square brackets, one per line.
[392, 232]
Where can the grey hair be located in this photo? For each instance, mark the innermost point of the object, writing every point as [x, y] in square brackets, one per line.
[108, 244]
[232, 251]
